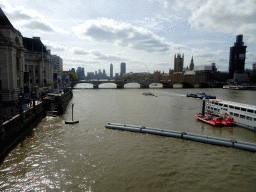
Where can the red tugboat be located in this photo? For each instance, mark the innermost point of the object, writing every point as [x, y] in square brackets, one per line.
[210, 119]
[214, 120]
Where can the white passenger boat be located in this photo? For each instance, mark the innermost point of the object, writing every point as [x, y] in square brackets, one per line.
[244, 115]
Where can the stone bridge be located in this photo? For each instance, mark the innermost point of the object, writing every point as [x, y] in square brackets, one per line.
[146, 83]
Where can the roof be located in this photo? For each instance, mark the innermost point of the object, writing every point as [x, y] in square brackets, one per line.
[34, 44]
[4, 21]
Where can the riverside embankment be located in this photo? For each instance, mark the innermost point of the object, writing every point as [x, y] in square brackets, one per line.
[19, 126]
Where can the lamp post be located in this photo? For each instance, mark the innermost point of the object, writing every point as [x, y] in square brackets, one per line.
[20, 96]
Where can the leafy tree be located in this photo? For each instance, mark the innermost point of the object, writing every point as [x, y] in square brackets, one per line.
[252, 78]
[73, 76]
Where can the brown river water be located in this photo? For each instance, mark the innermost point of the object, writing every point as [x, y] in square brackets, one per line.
[88, 157]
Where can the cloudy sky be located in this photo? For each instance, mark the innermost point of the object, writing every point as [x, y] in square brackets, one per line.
[143, 33]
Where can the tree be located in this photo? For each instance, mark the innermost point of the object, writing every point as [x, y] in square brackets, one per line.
[73, 76]
[252, 78]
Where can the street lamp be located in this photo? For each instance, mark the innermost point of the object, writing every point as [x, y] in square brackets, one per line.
[20, 96]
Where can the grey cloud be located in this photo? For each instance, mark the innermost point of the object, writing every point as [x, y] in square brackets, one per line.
[125, 36]
[79, 52]
[17, 15]
[102, 56]
[35, 25]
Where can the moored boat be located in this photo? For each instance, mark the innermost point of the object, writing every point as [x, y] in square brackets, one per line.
[210, 119]
[244, 115]
[201, 95]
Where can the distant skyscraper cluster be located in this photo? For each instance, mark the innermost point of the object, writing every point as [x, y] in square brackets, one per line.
[80, 73]
[237, 57]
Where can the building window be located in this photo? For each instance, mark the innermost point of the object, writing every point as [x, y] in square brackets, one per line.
[238, 108]
[242, 116]
[249, 110]
[230, 106]
[236, 115]
[243, 109]
[17, 64]
[249, 118]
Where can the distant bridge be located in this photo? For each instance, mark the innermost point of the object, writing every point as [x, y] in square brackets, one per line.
[147, 83]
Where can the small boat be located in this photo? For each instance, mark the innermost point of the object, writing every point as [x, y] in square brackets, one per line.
[201, 95]
[190, 95]
[210, 119]
[225, 87]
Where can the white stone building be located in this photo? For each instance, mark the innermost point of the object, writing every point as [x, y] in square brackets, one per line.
[57, 63]
[17, 56]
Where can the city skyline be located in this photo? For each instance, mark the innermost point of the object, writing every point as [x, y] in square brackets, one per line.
[93, 35]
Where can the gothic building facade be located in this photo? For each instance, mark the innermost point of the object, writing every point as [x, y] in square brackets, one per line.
[191, 66]
[178, 63]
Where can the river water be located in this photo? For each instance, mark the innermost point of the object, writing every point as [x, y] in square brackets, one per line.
[89, 157]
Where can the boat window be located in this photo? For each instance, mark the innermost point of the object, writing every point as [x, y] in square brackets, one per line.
[215, 109]
[249, 110]
[242, 116]
[225, 105]
[231, 113]
[236, 115]
[220, 104]
[254, 119]
[238, 108]
[211, 108]
[249, 118]
[243, 109]
[230, 106]
[216, 103]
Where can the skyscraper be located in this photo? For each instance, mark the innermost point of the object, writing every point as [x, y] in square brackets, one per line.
[178, 63]
[111, 70]
[237, 57]
[122, 69]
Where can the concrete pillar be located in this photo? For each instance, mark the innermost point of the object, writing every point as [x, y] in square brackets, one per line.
[144, 86]
[120, 86]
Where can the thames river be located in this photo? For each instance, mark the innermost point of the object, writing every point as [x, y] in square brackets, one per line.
[89, 157]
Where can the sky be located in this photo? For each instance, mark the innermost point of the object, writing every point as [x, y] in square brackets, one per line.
[145, 34]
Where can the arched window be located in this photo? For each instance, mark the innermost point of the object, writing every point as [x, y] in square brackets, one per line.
[17, 41]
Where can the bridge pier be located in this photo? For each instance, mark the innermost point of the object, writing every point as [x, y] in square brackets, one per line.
[167, 85]
[187, 85]
[119, 86]
[144, 86]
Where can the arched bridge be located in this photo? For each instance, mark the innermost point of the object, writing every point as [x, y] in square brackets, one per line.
[146, 83]
[120, 84]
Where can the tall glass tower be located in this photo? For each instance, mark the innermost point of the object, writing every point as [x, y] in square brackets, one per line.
[237, 57]
[123, 69]
[111, 71]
